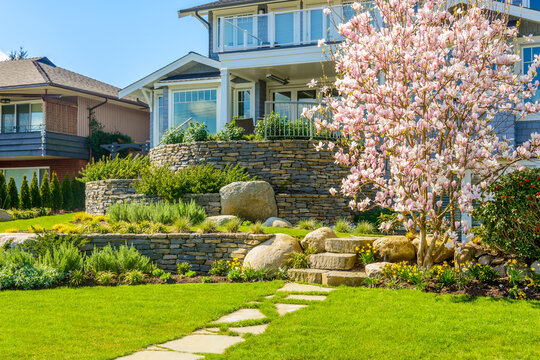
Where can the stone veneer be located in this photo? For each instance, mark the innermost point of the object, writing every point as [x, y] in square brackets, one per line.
[165, 250]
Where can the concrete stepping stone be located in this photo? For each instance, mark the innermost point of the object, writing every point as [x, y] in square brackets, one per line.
[208, 331]
[212, 344]
[283, 309]
[348, 278]
[269, 296]
[160, 355]
[241, 315]
[294, 287]
[306, 297]
[255, 330]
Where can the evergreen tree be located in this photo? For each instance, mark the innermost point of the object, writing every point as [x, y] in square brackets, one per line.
[24, 197]
[35, 196]
[45, 191]
[56, 193]
[67, 194]
[13, 194]
[3, 191]
[77, 187]
[8, 201]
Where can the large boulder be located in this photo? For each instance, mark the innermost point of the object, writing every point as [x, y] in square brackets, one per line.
[272, 254]
[250, 200]
[5, 216]
[375, 269]
[317, 239]
[394, 249]
[221, 220]
[15, 239]
[445, 254]
[277, 222]
[465, 255]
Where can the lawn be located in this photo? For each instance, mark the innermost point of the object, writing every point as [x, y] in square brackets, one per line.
[47, 222]
[107, 322]
[361, 323]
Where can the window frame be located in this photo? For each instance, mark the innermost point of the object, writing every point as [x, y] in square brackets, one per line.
[15, 104]
[172, 92]
[522, 46]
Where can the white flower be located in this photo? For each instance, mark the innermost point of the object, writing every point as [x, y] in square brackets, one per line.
[333, 191]
[327, 11]
[321, 43]
[312, 83]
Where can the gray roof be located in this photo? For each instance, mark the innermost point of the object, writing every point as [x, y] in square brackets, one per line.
[42, 72]
[220, 4]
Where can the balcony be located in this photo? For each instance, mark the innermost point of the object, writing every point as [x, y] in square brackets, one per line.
[284, 28]
[37, 144]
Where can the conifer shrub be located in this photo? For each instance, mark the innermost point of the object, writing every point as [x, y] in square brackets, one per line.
[56, 193]
[67, 194]
[24, 197]
[3, 190]
[13, 194]
[77, 188]
[35, 196]
[45, 191]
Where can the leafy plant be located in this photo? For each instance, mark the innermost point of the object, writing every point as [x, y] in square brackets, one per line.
[103, 260]
[219, 268]
[105, 278]
[77, 278]
[134, 277]
[235, 274]
[366, 254]
[129, 259]
[299, 260]
[183, 268]
[35, 196]
[190, 274]
[161, 212]
[182, 224]
[15, 258]
[100, 137]
[256, 228]
[484, 273]
[165, 277]
[196, 132]
[28, 277]
[129, 167]
[47, 242]
[66, 258]
[444, 274]
[309, 224]
[230, 132]
[206, 280]
[173, 136]
[157, 272]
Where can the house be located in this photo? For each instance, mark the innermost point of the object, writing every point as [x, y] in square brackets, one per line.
[44, 117]
[261, 55]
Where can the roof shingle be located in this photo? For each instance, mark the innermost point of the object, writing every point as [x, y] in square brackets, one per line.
[219, 4]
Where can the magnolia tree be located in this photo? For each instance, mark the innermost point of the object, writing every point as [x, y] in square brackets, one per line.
[418, 109]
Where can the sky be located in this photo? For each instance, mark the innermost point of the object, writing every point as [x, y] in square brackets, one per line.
[115, 41]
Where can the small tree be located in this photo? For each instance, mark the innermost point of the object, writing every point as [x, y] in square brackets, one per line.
[67, 194]
[56, 193]
[45, 191]
[35, 196]
[13, 194]
[20, 54]
[24, 198]
[3, 191]
[77, 186]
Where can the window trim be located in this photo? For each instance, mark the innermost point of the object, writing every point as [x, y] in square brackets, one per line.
[523, 44]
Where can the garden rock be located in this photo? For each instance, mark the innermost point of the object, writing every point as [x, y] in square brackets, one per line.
[485, 259]
[221, 220]
[501, 269]
[15, 239]
[374, 269]
[466, 254]
[273, 253]
[394, 249]
[277, 222]
[250, 200]
[536, 266]
[5, 216]
[317, 239]
[445, 254]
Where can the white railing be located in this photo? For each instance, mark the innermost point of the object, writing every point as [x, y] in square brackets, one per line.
[283, 28]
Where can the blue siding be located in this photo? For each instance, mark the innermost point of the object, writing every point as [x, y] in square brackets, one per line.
[165, 110]
[504, 124]
[32, 144]
[524, 129]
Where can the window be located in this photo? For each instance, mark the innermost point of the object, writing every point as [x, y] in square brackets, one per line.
[235, 29]
[18, 173]
[200, 105]
[21, 118]
[528, 57]
[243, 104]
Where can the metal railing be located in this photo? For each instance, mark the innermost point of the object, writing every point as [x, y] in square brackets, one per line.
[13, 129]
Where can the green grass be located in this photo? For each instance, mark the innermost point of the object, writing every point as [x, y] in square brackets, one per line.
[361, 323]
[107, 322]
[47, 222]
[297, 233]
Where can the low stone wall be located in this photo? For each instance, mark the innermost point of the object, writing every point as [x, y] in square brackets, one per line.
[200, 250]
[325, 208]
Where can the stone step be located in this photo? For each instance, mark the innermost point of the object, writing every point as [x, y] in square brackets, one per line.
[332, 261]
[348, 245]
[312, 276]
[348, 278]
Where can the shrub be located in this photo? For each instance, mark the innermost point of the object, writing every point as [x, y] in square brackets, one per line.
[196, 132]
[77, 278]
[309, 224]
[344, 226]
[165, 276]
[67, 194]
[194, 179]
[12, 194]
[102, 260]
[105, 278]
[484, 273]
[78, 189]
[230, 132]
[134, 277]
[207, 226]
[118, 168]
[257, 228]
[100, 137]
[129, 258]
[56, 193]
[157, 272]
[219, 268]
[235, 274]
[24, 198]
[3, 191]
[173, 136]
[45, 191]
[28, 277]
[511, 222]
[66, 259]
[35, 196]
[365, 227]
[206, 280]
[15, 258]
[183, 268]
[190, 274]
[182, 224]
[162, 212]
[232, 225]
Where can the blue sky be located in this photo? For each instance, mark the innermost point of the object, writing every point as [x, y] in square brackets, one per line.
[116, 41]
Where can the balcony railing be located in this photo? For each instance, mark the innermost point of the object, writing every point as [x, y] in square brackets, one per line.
[13, 129]
[524, 3]
[284, 28]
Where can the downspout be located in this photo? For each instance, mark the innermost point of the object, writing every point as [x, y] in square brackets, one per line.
[203, 21]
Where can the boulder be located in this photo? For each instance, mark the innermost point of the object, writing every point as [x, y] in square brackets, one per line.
[445, 254]
[377, 268]
[272, 254]
[465, 254]
[277, 222]
[5, 216]
[317, 239]
[394, 249]
[485, 259]
[221, 220]
[15, 239]
[250, 200]
[535, 267]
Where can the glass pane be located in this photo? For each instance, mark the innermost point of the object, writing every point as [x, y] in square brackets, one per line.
[37, 117]
[284, 28]
[18, 174]
[307, 95]
[282, 96]
[244, 104]
[8, 119]
[283, 109]
[23, 118]
[201, 110]
[316, 19]
[244, 24]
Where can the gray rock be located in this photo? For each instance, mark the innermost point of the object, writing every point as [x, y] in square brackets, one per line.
[377, 268]
[277, 222]
[535, 266]
[250, 200]
[317, 239]
[221, 220]
[16, 239]
[5, 216]
[273, 253]
[485, 259]
[501, 269]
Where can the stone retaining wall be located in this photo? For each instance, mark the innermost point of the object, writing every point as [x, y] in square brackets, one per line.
[325, 208]
[165, 250]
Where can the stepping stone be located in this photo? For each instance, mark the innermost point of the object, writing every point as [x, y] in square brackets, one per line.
[313, 276]
[294, 287]
[241, 315]
[255, 330]
[269, 296]
[208, 331]
[348, 245]
[283, 309]
[349, 278]
[331, 261]
[160, 355]
[306, 297]
[212, 344]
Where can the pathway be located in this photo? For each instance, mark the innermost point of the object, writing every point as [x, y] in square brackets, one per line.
[213, 340]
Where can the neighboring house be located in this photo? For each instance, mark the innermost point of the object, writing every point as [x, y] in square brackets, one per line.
[262, 53]
[44, 117]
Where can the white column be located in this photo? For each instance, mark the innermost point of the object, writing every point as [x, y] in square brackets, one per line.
[225, 100]
[465, 217]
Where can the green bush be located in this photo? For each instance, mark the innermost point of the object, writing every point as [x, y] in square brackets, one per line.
[195, 179]
[280, 127]
[66, 259]
[3, 190]
[56, 193]
[67, 194]
[47, 242]
[230, 132]
[173, 136]
[105, 278]
[12, 194]
[117, 261]
[134, 277]
[183, 268]
[16, 258]
[118, 168]
[100, 137]
[30, 214]
[196, 132]
[35, 196]
[45, 191]
[24, 198]
[28, 277]
[511, 222]
[78, 189]
[161, 212]
[129, 259]
[219, 268]
[484, 273]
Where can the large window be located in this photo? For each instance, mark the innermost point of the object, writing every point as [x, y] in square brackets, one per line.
[243, 104]
[18, 173]
[200, 105]
[21, 118]
[528, 57]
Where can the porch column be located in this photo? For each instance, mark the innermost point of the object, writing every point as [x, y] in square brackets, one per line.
[225, 100]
